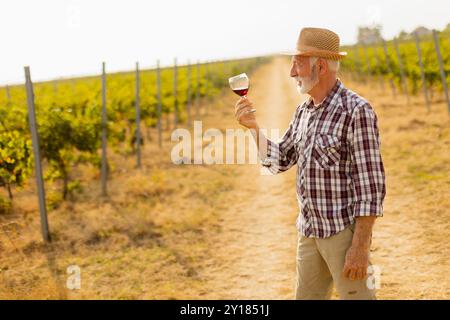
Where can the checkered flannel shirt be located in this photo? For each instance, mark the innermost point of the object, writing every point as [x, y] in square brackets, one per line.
[340, 172]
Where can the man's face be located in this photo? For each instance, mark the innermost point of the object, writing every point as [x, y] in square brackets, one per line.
[305, 75]
[300, 67]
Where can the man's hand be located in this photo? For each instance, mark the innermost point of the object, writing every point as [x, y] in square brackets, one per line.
[357, 256]
[243, 115]
[356, 263]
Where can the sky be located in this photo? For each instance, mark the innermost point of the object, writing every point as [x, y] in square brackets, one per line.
[63, 38]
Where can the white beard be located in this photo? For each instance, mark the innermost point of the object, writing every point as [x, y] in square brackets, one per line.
[306, 84]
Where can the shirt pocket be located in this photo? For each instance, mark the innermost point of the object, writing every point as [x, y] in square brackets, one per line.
[327, 150]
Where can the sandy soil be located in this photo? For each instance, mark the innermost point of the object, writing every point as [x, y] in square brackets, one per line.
[255, 250]
[255, 255]
[226, 231]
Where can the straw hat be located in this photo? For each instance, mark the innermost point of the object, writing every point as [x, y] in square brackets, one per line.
[318, 42]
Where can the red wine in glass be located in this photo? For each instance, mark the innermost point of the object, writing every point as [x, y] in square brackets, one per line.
[241, 91]
[240, 84]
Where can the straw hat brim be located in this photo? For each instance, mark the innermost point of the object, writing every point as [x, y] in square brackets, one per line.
[317, 53]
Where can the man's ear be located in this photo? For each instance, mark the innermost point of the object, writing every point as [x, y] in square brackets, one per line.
[323, 66]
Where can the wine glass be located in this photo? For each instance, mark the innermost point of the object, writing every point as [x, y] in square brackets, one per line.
[240, 84]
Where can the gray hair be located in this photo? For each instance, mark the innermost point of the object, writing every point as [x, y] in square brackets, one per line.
[333, 65]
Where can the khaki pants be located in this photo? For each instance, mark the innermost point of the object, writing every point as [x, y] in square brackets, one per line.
[320, 263]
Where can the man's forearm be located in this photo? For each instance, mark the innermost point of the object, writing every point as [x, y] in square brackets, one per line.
[260, 140]
[363, 232]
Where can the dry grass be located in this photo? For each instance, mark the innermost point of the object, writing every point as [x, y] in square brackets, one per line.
[174, 232]
[411, 240]
[146, 241]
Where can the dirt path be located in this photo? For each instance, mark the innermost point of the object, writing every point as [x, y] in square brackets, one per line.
[257, 242]
[254, 254]
[229, 233]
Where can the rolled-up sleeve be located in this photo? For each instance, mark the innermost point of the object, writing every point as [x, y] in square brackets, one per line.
[367, 165]
[281, 154]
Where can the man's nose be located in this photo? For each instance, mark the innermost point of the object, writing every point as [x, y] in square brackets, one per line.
[293, 72]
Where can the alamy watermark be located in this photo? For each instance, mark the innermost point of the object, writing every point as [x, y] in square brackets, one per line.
[74, 277]
[73, 16]
[373, 280]
[213, 146]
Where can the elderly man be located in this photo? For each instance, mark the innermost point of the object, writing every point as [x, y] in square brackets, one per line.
[334, 140]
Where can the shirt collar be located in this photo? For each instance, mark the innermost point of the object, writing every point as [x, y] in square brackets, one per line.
[334, 92]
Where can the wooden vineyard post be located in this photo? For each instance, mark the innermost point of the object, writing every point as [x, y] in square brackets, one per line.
[357, 64]
[380, 75]
[188, 101]
[441, 68]
[197, 94]
[158, 92]
[55, 87]
[73, 85]
[422, 72]
[37, 159]
[138, 118]
[366, 56]
[167, 116]
[104, 169]
[8, 95]
[206, 87]
[388, 65]
[175, 92]
[402, 70]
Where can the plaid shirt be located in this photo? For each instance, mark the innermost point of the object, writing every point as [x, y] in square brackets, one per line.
[340, 173]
